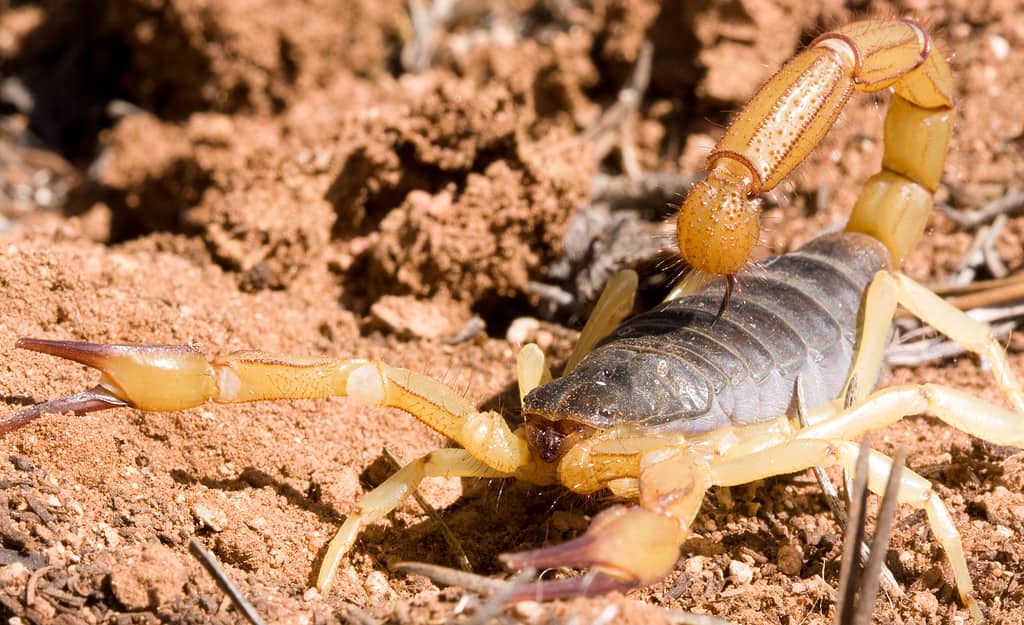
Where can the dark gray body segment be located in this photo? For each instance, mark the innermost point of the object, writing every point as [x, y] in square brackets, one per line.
[673, 369]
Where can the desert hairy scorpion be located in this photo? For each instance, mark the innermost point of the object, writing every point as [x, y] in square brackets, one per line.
[690, 394]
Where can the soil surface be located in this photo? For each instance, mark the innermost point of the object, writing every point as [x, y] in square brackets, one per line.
[431, 185]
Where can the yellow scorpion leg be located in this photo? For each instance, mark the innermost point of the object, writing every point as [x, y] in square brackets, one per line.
[166, 378]
[386, 497]
[888, 289]
[808, 451]
[719, 222]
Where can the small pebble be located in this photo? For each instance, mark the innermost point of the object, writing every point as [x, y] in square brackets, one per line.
[13, 574]
[522, 330]
[311, 594]
[210, 517]
[694, 565]
[376, 585]
[22, 463]
[529, 611]
[741, 574]
[1000, 47]
[926, 603]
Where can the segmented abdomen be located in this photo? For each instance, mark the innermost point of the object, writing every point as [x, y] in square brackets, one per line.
[676, 369]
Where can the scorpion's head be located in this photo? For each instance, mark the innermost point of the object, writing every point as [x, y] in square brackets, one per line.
[610, 387]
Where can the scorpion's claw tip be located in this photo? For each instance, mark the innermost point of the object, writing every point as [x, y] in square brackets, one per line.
[627, 546]
[101, 355]
[590, 585]
[149, 377]
[95, 355]
[97, 398]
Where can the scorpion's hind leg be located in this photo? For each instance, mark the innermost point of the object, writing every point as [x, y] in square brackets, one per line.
[626, 546]
[889, 289]
[799, 454]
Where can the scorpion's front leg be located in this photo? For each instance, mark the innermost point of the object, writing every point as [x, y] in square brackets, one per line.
[625, 546]
[167, 378]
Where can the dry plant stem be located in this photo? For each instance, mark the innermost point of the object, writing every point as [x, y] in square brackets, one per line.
[615, 126]
[445, 576]
[987, 293]
[923, 352]
[468, 332]
[853, 537]
[453, 542]
[427, 21]
[879, 543]
[1008, 205]
[213, 567]
[628, 189]
[500, 592]
[497, 602]
[982, 252]
[995, 265]
[835, 503]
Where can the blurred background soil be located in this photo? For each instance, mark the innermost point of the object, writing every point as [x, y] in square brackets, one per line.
[433, 185]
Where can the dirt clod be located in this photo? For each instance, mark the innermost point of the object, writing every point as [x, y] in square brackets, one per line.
[150, 577]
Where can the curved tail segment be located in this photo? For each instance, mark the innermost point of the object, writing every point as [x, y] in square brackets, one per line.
[719, 221]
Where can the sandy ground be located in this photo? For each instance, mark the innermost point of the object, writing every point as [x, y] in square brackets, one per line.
[352, 179]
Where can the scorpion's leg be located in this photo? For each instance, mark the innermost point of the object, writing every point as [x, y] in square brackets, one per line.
[386, 497]
[802, 453]
[625, 546]
[889, 289]
[614, 305]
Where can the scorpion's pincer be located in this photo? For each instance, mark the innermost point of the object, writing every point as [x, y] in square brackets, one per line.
[626, 546]
[148, 377]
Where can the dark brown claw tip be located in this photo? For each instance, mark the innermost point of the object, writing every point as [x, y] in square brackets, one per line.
[91, 354]
[97, 398]
[578, 552]
[583, 552]
[730, 283]
[592, 584]
[95, 355]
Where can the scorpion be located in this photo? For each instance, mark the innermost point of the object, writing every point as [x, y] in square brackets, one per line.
[698, 391]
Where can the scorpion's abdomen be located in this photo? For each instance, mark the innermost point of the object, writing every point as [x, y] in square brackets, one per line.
[675, 368]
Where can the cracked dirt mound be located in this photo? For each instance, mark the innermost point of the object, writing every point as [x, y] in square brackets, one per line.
[344, 179]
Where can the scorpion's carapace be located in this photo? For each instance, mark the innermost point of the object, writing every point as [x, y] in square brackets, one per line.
[719, 221]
